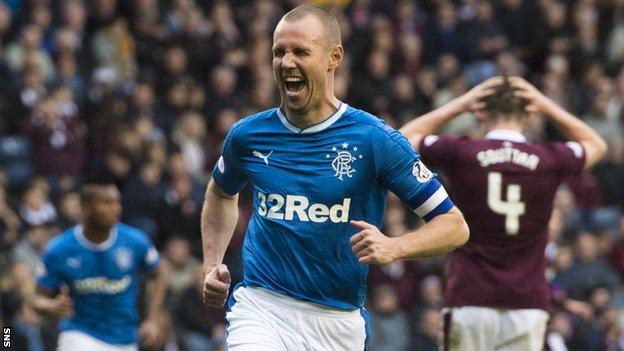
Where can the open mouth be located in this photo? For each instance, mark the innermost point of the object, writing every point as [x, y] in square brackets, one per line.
[294, 84]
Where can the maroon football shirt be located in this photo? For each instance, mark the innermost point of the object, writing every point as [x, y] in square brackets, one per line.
[505, 186]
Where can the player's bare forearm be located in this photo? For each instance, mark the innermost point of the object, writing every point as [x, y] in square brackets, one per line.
[218, 221]
[576, 130]
[442, 234]
[430, 122]
[156, 292]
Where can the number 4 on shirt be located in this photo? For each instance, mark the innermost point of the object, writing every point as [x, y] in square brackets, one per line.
[512, 209]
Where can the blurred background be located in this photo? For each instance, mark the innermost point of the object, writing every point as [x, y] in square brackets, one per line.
[143, 92]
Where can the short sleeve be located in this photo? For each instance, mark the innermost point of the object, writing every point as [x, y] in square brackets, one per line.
[400, 169]
[148, 255]
[570, 157]
[228, 173]
[439, 151]
[48, 272]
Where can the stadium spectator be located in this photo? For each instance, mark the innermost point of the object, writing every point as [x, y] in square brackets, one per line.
[9, 220]
[178, 212]
[57, 135]
[29, 49]
[391, 326]
[427, 331]
[29, 250]
[36, 208]
[430, 297]
[113, 47]
[589, 270]
[190, 137]
[69, 212]
[142, 197]
[181, 268]
[202, 328]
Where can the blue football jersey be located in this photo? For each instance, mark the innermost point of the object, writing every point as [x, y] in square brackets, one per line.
[307, 185]
[102, 280]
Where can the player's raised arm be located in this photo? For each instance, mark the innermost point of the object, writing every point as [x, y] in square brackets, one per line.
[218, 221]
[429, 123]
[576, 130]
[440, 235]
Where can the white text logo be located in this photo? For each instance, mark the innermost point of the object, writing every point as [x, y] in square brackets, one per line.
[300, 206]
[102, 285]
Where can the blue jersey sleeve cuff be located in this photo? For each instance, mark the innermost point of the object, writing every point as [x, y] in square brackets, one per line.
[442, 208]
[48, 285]
[224, 184]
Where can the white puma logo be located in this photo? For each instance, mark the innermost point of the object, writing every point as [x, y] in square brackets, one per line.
[265, 158]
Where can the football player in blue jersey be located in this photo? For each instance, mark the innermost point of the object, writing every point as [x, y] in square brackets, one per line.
[90, 278]
[320, 172]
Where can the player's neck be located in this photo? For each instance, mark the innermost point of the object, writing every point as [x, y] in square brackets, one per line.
[508, 125]
[94, 234]
[313, 116]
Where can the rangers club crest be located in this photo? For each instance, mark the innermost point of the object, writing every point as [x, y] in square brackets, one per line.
[421, 172]
[343, 160]
[123, 258]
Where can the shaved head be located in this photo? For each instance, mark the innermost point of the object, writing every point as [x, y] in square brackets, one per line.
[326, 17]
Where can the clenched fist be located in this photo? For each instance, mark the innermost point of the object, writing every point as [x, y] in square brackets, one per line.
[216, 286]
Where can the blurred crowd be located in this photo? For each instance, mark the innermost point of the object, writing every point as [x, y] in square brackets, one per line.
[143, 91]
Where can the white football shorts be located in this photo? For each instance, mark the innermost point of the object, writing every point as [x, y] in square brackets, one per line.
[472, 328]
[261, 320]
[74, 340]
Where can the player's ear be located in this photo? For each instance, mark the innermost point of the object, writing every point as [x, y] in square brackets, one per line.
[481, 116]
[336, 56]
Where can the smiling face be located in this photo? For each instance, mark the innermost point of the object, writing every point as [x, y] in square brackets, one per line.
[304, 61]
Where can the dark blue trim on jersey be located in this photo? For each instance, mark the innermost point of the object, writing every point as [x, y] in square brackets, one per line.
[282, 114]
[442, 208]
[424, 194]
[231, 299]
[45, 285]
[367, 326]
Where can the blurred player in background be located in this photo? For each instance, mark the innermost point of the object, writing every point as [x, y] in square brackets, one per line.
[90, 278]
[320, 172]
[497, 296]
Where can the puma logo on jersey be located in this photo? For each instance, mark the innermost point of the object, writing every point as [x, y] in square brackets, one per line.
[271, 206]
[264, 158]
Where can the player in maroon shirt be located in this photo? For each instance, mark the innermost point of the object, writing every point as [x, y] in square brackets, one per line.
[497, 296]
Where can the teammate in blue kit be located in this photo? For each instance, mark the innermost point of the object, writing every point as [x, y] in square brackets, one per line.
[320, 172]
[89, 278]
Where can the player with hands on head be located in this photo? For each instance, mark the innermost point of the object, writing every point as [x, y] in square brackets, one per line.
[496, 296]
[320, 172]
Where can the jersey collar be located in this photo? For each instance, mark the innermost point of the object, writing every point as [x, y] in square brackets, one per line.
[317, 127]
[507, 135]
[103, 246]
